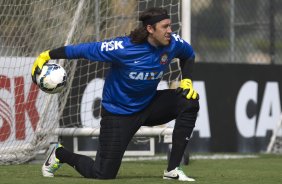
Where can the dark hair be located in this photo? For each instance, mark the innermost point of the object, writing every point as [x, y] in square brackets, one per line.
[140, 34]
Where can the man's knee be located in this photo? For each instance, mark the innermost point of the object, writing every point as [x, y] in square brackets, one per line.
[190, 105]
[106, 168]
[188, 114]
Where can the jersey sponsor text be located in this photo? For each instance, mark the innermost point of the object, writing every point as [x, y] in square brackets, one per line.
[146, 75]
[111, 45]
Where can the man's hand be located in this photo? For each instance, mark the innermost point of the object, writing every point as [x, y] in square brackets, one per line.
[38, 64]
[187, 90]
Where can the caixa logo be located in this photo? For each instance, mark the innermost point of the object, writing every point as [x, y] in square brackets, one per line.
[251, 120]
[15, 104]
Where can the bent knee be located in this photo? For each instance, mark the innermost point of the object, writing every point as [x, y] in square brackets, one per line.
[191, 105]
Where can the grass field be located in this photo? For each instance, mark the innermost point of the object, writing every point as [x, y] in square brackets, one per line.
[265, 169]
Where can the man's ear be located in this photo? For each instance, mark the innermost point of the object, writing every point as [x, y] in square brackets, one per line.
[150, 28]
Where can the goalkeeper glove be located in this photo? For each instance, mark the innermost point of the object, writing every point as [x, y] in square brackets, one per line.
[187, 90]
[38, 64]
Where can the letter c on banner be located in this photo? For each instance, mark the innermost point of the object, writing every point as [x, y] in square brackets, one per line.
[92, 92]
[246, 125]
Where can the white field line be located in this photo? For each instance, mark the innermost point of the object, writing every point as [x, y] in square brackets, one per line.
[194, 157]
[221, 156]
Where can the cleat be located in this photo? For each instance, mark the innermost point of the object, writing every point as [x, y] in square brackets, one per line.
[52, 164]
[176, 174]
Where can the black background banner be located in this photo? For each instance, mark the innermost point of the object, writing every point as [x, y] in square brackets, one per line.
[222, 85]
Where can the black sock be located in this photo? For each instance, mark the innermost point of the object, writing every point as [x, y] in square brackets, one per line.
[178, 147]
[66, 156]
[81, 163]
[183, 129]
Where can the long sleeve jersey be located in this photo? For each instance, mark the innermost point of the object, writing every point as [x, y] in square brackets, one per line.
[136, 69]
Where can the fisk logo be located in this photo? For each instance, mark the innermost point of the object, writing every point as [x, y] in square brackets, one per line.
[111, 45]
[177, 38]
[23, 105]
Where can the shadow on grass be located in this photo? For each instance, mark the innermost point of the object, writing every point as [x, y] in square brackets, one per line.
[117, 178]
[68, 176]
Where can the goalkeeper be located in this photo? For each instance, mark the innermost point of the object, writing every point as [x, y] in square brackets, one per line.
[130, 96]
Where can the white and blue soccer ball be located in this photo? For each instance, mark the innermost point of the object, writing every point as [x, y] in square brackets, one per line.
[52, 79]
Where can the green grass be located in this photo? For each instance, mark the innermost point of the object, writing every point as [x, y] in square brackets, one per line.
[266, 169]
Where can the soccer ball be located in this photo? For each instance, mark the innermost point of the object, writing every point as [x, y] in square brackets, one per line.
[52, 79]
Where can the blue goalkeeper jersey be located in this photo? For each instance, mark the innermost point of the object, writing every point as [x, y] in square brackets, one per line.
[136, 69]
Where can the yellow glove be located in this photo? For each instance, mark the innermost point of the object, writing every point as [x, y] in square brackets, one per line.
[38, 64]
[187, 90]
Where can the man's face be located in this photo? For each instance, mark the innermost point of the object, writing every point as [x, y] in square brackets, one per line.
[160, 36]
